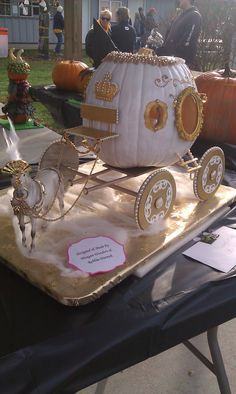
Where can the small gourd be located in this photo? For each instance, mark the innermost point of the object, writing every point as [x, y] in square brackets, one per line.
[17, 68]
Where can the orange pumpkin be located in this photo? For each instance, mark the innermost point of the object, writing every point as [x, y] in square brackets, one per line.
[219, 111]
[83, 79]
[65, 74]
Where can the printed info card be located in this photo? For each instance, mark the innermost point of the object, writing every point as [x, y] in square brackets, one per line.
[96, 255]
[221, 254]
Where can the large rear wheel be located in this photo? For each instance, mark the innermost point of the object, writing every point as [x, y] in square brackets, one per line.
[62, 156]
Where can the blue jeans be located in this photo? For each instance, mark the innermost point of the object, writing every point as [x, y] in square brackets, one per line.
[59, 42]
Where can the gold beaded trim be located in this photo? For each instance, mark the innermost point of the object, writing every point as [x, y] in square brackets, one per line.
[156, 114]
[153, 60]
[178, 106]
[165, 79]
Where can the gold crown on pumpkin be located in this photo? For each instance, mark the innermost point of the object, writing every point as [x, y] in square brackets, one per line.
[105, 89]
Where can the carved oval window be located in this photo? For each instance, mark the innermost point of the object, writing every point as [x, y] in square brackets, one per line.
[188, 114]
[156, 115]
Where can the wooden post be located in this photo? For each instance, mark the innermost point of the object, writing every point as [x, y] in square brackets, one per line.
[73, 30]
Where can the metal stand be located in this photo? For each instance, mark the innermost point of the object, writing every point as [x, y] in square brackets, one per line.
[217, 364]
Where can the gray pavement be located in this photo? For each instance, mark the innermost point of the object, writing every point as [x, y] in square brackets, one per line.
[177, 371]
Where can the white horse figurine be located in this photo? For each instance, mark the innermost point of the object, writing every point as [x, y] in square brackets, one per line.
[34, 197]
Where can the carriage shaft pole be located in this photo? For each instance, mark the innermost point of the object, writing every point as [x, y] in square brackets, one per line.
[112, 184]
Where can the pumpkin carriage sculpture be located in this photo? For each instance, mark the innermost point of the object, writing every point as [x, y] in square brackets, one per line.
[141, 111]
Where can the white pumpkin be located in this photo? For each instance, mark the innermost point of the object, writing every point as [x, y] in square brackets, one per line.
[139, 81]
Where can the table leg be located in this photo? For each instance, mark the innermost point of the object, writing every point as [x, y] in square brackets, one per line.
[219, 368]
[101, 386]
[217, 364]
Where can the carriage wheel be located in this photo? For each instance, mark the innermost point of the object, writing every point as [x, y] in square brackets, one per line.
[62, 156]
[208, 178]
[155, 198]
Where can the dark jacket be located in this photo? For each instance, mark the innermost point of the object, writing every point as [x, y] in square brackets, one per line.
[124, 37]
[90, 44]
[182, 38]
[98, 43]
[58, 21]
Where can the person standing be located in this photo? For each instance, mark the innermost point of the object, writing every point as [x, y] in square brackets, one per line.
[43, 47]
[91, 43]
[150, 23]
[58, 27]
[142, 21]
[182, 38]
[137, 24]
[123, 34]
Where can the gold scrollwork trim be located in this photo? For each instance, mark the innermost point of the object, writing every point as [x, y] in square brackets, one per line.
[164, 80]
[161, 115]
[153, 60]
[178, 104]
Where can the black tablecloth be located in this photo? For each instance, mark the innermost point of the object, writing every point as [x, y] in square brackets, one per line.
[50, 348]
[56, 101]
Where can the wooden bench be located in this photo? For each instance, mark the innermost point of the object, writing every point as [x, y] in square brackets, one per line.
[94, 113]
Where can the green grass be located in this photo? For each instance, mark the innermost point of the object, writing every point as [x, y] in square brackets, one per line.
[40, 74]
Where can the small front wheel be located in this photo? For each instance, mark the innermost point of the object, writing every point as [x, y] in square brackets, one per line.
[209, 177]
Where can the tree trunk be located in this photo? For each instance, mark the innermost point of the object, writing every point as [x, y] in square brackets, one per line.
[73, 30]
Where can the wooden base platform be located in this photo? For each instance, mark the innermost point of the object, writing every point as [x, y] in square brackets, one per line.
[102, 212]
